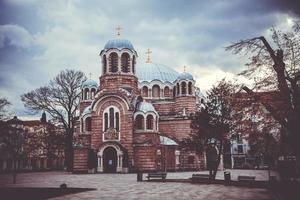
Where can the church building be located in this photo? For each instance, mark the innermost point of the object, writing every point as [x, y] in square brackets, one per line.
[134, 118]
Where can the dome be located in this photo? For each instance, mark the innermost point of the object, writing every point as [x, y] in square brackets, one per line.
[153, 71]
[89, 83]
[185, 76]
[145, 107]
[118, 44]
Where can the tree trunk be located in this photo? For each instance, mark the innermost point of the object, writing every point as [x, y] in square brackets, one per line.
[69, 150]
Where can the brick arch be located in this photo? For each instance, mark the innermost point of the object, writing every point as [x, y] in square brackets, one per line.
[113, 98]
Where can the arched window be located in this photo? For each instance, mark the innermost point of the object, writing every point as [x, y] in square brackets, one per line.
[155, 91]
[82, 94]
[113, 58]
[145, 91]
[88, 124]
[139, 122]
[167, 92]
[183, 88]
[81, 125]
[93, 92]
[177, 89]
[150, 121]
[86, 93]
[104, 64]
[117, 121]
[125, 61]
[111, 118]
[133, 64]
[190, 87]
[174, 92]
[105, 121]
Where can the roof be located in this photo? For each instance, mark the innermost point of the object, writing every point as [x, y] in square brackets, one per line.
[118, 44]
[89, 83]
[154, 71]
[145, 107]
[167, 141]
[185, 76]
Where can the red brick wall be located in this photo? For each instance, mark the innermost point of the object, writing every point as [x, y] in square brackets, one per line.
[80, 160]
[116, 81]
[83, 105]
[188, 102]
[145, 158]
[165, 108]
[175, 128]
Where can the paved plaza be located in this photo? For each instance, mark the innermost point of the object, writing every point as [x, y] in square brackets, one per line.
[125, 186]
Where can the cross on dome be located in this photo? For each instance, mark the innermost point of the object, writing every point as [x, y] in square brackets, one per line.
[119, 28]
[184, 68]
[90, 75]
[148, 56]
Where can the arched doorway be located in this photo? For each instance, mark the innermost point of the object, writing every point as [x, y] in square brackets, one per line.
[110, 160]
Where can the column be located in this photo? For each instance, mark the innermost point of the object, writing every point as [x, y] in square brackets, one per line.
[100, 167]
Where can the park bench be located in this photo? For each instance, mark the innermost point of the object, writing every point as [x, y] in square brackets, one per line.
[200, 178]
[246, 178]
[157, 175]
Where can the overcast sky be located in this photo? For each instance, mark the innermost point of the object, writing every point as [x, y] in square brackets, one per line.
[39, 38]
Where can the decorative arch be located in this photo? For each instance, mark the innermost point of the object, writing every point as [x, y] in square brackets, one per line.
[104, 62]
[150, 122]
[139, 122]
[145, 91]
[156, 91]
[190, 88]
[125, 62]
[86, 93]
[167, 92]
[88, 124]
[183, 88]
[113, 59]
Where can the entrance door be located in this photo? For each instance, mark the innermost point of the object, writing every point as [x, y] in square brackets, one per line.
[109, 160]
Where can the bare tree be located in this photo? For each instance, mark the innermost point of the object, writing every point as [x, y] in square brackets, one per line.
[4, 103]
[61, 100]
[277, 69]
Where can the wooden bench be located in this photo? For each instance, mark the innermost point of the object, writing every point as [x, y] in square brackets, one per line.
[246, 178]
[157, 175]
[200, 178]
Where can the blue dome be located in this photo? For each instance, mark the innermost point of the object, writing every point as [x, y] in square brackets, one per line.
[152, 71]
[118, 44]
[185, 76]
[89, 83]
[145, 107]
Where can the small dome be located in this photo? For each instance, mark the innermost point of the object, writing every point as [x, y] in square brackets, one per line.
[153, 71]
[118, 44]
[89, 83]
[185, 76]
[145, 107]
[167, 141]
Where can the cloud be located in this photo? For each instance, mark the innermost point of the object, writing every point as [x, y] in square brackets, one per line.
[15, 35]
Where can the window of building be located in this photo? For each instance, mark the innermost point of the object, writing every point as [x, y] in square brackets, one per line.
[155, 91]
[93, 92]
[167, 91]
[139, 122]
[145, 91]
[86, 93]
[113, 58]
[104, 64]
[133, 64]
[125, 62]
[150, 121]
[88, 124]
[177, 88]
[190, 87]
[191, 159]
[183, 88]
[111, 118]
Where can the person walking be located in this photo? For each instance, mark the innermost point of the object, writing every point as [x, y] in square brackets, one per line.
[212, 160]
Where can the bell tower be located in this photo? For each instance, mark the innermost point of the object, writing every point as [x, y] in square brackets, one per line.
[118, 65]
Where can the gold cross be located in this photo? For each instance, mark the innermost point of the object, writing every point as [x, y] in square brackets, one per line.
[184, 68]
[148, 56]
[119, 28]
[90, 75]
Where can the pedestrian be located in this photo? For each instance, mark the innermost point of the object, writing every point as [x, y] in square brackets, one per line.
[212, 160]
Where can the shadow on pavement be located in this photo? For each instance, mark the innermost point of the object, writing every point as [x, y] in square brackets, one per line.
[38, 193]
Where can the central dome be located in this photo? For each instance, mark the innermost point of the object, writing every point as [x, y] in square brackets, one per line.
[118, 44]
[153, 71]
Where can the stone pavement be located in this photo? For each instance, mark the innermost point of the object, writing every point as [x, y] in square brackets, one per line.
[125, 186]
